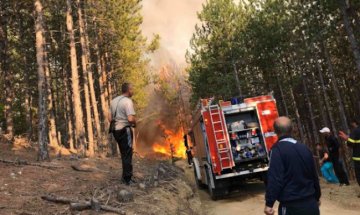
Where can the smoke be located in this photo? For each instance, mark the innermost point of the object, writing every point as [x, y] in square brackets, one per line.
[167, 109]
[174, 21]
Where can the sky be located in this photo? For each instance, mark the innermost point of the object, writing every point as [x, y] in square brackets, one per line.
[174, 21]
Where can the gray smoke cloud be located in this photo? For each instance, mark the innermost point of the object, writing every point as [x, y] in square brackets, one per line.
[174, 21]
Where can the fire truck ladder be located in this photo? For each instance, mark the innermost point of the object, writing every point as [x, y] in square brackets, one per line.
[223, 150]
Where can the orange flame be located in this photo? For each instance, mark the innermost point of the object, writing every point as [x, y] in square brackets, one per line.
[173, 144]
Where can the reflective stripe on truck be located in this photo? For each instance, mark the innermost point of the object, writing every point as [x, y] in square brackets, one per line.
[245, 172]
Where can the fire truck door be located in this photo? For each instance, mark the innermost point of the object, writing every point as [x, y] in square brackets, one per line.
[267, 112]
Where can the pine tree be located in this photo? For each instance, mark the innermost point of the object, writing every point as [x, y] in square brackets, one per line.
[40, 41]
[75, 84]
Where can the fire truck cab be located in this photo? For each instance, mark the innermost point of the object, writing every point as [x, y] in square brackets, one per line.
[231, 141]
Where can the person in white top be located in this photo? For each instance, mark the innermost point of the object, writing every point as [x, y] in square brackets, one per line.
[122, 114]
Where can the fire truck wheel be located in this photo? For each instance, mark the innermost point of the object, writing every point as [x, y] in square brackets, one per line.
[212, 191]
[198, 182]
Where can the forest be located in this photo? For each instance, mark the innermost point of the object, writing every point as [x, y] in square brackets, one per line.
[63, 61]
[305, 53]
[61, 64]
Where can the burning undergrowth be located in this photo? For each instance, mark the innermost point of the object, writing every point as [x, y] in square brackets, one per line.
[172, 145]
[160, 133]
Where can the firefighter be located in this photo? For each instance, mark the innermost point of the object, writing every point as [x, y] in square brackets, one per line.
[326, 166]
[292, 176]
[333, 146]
[122, 114]
[188, 150]
[353, 140]
[189, 155]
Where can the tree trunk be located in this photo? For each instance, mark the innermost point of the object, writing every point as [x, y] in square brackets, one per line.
[350, 31]
[106, 139]
[57, 106]
[282, 96]
[325, 95]
[92, 84]
[311, 112]
[28, 99]
[353, 13]
[104, 106]
[105, 80]
[308, 137]
[52, 130]
[297, 115]
[8, 103]
[322, 110]
[103, 96]
[28, 108]
[236, 74]
[69, 113]
[76, 97]
[85, 69]
[40, 41]
[109, 79]
[104, 77]
[344, 123]
[294, 103]
[336, 90]
[27, 84]
[7, 74]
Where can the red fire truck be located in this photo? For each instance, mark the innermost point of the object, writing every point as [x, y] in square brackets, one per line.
[231, 141]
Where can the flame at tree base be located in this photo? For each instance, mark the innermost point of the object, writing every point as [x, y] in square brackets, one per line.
[173, 144]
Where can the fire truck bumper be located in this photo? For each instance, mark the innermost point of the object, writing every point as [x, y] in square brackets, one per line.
[242, 173]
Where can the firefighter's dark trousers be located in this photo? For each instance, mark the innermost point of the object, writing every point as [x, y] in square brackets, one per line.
[308, 208]
[339, 170]
[357, 171]
[189, 157]
[124, 138]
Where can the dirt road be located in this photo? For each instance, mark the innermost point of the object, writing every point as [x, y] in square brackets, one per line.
[249, 199]
[164, 191]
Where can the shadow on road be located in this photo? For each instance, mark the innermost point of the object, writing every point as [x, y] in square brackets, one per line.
[239, 193]
[245, 191]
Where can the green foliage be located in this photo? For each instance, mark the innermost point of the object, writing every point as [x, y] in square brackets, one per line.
[212, 52]
[120, 25]
[275, 45]
[114, 25]
[154, 44]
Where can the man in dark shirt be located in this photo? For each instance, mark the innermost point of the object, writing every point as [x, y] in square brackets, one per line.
[333, 146]
[292, 176]
[354, 141]
[326, 165]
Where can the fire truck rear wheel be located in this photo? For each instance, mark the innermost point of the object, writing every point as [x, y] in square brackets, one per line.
[198, 182]
[213, 192]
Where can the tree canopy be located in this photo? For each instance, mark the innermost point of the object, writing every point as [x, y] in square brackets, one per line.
[305, 53]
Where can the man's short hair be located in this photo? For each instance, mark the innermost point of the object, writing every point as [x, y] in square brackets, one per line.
[355, 120]
[125, 87]
[283, 126]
